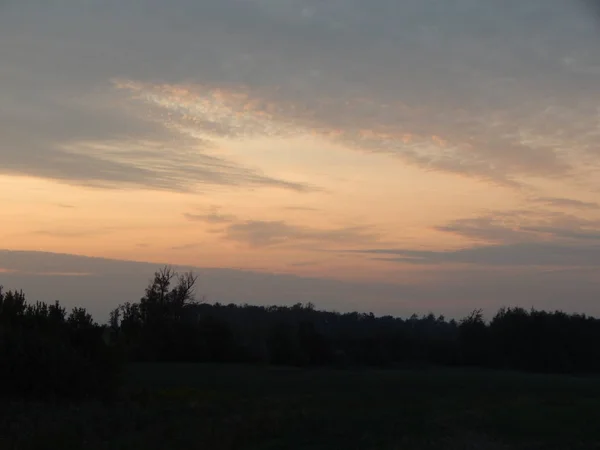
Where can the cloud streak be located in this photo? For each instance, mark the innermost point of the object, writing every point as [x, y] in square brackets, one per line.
[260, 233]
[277, 233]
[511, 238]
[211, 217]
[522, 226]
[566, 203]
[509, 255]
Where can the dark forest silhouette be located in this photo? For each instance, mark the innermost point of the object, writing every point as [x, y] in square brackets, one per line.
[47, 353]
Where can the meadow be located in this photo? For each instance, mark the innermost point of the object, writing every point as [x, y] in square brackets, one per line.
[227, 406]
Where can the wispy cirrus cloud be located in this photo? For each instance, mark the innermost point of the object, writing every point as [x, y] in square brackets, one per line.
[495, 148]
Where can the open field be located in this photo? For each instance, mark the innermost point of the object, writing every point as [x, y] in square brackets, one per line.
[178, 406]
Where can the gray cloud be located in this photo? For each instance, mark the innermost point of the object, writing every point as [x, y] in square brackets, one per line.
[521, 254]
[575, 234]
[593, 6]
[567, 203]
[97, 150]
[510, 89]
[212, 217]
[490, 228]
[265, 233]
[522, 226]
[62, 120]
[259, 233]
[304, 263]
[512, 238]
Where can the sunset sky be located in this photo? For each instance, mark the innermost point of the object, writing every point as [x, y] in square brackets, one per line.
[393, 156]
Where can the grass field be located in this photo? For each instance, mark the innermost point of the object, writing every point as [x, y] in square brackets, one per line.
[178, 406]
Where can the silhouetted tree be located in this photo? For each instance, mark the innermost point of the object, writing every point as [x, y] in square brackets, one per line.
[44, 354]
[153, 328]
[474, 339]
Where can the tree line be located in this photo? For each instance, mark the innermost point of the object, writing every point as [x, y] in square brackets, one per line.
[46, 352]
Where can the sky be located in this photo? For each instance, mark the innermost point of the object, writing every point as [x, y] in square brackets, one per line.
[394, 156]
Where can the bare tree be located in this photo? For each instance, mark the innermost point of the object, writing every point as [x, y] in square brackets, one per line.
[163, 303]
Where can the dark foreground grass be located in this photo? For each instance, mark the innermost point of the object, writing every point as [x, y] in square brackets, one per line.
[177, 406]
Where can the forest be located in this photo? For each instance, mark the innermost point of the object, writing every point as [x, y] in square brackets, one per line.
[49, 352]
